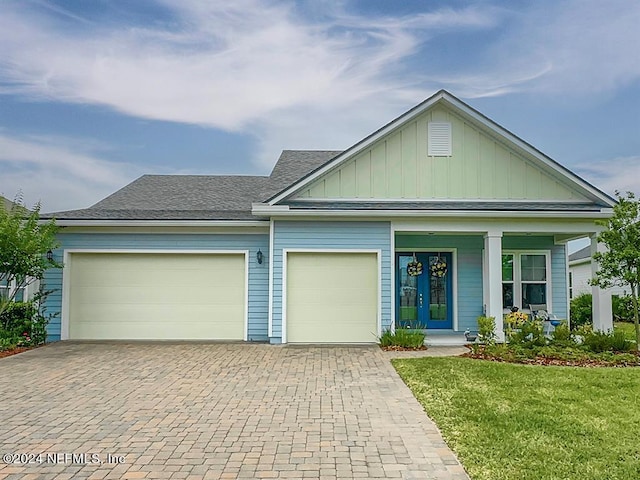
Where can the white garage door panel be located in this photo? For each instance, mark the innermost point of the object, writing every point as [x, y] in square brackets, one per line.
[332, 297]
[157, 296]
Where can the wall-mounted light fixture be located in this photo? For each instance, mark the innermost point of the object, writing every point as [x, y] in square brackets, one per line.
[50, 256]
[259, 257]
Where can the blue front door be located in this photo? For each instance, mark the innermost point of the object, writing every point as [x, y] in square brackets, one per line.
[424, 295]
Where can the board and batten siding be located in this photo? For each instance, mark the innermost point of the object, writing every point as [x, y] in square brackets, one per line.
[258, 273]
[327, 236]
[480, 167]
[468, 252]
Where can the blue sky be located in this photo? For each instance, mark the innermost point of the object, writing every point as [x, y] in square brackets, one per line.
[95, 93]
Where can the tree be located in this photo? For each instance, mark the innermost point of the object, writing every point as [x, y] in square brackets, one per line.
[620, 264]
[24, 243]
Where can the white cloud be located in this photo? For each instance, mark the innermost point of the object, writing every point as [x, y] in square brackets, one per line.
[63, 173]
[621, 174]
[573, 47]
[219, 64]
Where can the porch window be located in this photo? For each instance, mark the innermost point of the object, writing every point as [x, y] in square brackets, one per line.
[507, 280]
[525, 279]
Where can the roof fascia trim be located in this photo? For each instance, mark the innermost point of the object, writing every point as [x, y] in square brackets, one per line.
[389, 213]
[159, 223]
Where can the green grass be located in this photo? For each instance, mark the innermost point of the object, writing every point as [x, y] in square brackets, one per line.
[507, 421]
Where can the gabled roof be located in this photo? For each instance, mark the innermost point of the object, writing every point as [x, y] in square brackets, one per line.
[582, 254]
[6, 203]
[198, 197]
[465, 111]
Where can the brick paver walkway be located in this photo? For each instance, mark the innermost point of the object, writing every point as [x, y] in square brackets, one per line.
[213, 411]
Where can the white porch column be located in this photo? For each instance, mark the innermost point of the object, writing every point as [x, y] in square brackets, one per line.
[493, 279]
[602, 312]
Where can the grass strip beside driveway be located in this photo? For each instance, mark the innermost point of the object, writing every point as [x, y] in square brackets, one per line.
[507, 421]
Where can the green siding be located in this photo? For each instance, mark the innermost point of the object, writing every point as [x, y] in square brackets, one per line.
[481, 167]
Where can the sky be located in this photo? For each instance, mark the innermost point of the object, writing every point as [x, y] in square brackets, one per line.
[94, 94]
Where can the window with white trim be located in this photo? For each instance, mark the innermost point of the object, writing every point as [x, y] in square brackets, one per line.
[525, 279]
[8, 289]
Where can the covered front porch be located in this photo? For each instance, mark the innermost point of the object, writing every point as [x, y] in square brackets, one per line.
[446, 274]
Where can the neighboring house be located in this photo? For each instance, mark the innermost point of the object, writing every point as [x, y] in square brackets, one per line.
[321, 250]
[580, 273]
[7, 289]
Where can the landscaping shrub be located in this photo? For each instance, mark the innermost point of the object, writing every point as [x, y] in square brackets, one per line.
[607, 342]
[622, 308]
[580, 308]
[562, 337]
[530, 334]
[22, 325]
[486, 329]
[402, 337]
[17, 318]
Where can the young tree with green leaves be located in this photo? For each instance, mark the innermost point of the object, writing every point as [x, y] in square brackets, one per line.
[620, 264]
[24, 243]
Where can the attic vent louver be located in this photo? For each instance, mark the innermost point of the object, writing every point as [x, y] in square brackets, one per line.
[439, 139]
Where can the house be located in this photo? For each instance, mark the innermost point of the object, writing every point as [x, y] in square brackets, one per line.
[438, 217]
[580, 273]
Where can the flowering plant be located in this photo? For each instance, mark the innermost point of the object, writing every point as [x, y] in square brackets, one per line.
[516, 319]
[438, 267]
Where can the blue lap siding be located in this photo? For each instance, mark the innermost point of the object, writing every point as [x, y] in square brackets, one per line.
[258, 273]
[327, 236]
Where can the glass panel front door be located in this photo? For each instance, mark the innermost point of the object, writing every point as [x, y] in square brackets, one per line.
[424, 299]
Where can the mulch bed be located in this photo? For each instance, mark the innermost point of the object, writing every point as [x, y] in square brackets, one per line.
[397, 348]
[14, 351]
[589, 362]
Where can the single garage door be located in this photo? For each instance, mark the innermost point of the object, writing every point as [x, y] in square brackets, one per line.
[149, 296]
[332, 297]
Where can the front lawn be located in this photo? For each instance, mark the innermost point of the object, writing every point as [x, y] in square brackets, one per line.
[509, 421]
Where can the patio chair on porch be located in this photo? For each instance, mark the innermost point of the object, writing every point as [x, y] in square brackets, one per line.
[539, 310]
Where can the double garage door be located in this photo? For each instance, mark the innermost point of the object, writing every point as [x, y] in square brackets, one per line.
[157, 296]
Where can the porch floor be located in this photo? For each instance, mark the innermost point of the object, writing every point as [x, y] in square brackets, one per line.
[444, 338]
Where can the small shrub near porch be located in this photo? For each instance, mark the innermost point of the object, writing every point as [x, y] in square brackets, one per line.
[403, 338]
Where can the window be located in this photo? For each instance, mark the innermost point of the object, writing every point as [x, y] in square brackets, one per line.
[570, 284]
[525, 279]
[6, 290]
[507, 280]
[439, 139]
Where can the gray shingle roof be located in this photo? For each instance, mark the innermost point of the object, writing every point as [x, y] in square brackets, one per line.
[581, 254]
[199, 197]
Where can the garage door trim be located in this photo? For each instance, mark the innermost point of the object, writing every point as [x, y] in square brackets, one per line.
[286, 251]
[66, 280]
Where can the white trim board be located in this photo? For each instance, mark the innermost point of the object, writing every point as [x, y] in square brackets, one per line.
[67, 262]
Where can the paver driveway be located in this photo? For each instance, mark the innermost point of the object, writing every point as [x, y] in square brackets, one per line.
[190, 410]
